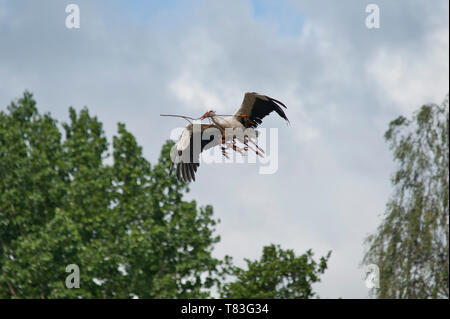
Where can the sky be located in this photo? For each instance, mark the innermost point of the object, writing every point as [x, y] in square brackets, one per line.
[342, 83]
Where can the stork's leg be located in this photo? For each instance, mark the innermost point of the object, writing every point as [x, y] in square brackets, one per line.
[224, 152]
[232, 145]
[260, 154]
[248, 147]
[246, 143]
[250, 137]
[259, 148]
[236, 148]
[224, 149]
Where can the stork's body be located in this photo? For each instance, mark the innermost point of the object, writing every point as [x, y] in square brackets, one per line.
[227, 122]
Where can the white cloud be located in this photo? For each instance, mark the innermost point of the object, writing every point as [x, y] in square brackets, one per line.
[413, 78]
[193, 95]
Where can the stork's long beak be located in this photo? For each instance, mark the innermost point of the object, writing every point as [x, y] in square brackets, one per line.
[204, 115]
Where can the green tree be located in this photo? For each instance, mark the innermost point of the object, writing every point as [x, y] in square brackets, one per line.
[278, 274]
[125, 224]
[410, 246]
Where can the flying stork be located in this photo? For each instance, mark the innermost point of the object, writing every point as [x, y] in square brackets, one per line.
[253, 109]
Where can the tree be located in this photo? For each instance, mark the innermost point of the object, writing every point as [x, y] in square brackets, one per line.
[124, 224]
[278, 274]
[410, 246]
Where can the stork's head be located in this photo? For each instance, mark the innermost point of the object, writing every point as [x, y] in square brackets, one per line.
[208, 114]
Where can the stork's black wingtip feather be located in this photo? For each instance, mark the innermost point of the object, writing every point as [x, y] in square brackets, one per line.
[279, 102]
[192, 172]
[183, 173]
[178, 171]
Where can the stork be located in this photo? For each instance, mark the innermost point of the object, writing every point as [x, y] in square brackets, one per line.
[253, 109]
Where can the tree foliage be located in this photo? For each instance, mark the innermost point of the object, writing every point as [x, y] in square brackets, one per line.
[125, 225]
[278, 274]
[410, 246]
[65, 200]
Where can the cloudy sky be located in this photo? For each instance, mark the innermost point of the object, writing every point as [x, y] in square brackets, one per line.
[342, 83]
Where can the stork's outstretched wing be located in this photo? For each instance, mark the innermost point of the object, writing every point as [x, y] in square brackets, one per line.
[256, 106]
[194, 139]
